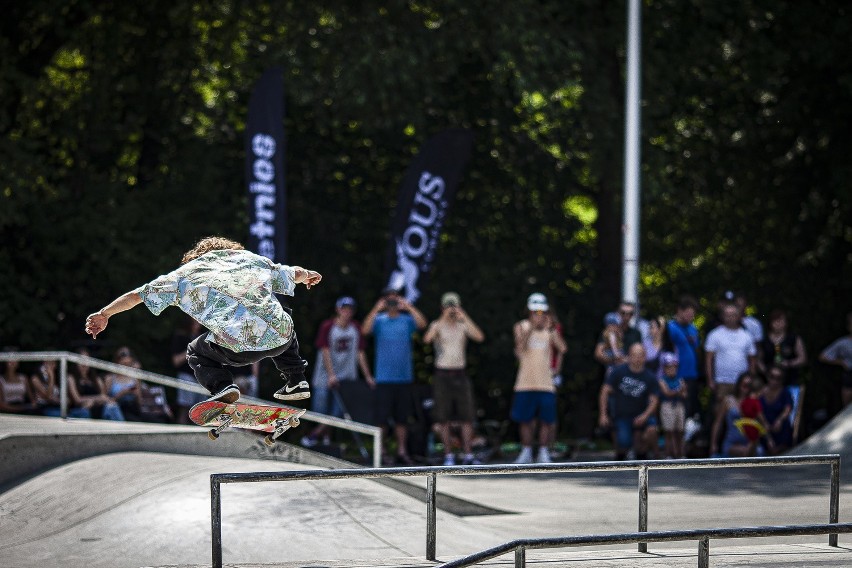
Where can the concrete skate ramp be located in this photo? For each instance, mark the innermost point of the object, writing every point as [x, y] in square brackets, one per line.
[130, 508]
[127, 510]
[833, 438]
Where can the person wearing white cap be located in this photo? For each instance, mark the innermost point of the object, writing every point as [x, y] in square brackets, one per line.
[534, 399]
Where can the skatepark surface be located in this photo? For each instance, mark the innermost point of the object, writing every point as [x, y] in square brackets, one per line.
[100, 494]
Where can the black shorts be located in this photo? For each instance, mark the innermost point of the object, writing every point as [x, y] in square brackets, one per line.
[846, 379]
[453, 394]
[393, 401]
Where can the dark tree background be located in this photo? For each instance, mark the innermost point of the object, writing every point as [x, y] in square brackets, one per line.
[121, 130]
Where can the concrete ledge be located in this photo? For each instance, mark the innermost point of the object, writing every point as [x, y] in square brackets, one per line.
[32, 445]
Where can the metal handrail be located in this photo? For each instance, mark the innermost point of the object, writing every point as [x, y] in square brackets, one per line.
[64, 357]
[431, 473]
[703, 536]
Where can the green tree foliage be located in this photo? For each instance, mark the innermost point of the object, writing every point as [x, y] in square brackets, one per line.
[121, 134]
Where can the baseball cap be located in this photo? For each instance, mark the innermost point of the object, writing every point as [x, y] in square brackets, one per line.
[537, 303]
[345, 301]
[668, 358]
[450, 299]
[612, 318]
[387, 290]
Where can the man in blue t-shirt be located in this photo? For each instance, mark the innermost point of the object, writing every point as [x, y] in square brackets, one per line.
[684, 336]
[392, 321]
[628, 404]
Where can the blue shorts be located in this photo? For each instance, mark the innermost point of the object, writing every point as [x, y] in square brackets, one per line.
[624, 429]
[528, 405]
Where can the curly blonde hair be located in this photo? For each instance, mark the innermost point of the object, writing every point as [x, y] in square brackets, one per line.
[208, 244]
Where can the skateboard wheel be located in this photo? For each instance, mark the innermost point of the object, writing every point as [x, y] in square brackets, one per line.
[213, 435]
[294, 422]
[269, 441]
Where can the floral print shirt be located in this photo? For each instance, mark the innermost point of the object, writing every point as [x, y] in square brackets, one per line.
[231, 293]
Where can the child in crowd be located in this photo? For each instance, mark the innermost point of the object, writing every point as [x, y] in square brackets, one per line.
[612, 337]
[753, 423]
[672, 405]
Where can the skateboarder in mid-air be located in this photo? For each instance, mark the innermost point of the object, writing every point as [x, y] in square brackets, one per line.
[231, 292]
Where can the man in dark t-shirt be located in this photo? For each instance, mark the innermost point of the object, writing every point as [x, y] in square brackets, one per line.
[628, 404]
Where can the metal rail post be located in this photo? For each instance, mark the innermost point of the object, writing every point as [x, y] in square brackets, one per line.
[834, 504]
[377, 449]
[216, 520]
[704, 552]
[431, 519]
[521, 557]
[63, 386]
[643, 505]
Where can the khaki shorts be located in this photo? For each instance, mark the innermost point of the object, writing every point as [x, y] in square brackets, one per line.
[723, 390]
[672, 415]
[453, 395]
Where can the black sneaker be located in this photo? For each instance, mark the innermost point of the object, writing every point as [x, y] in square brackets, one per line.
[296, 388]
[229, 394]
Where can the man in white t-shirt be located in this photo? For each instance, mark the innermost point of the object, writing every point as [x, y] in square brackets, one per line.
[730, 352]
[839, 353]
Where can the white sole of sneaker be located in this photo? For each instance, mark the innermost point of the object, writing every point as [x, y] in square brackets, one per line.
[296, 396]
[228, 398]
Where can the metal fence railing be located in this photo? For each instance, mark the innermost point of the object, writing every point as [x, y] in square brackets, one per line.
[65, 357]
[703, 536]
[642, 467]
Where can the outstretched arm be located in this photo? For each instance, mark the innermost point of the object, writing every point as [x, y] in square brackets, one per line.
[97, 322]
[307, 277]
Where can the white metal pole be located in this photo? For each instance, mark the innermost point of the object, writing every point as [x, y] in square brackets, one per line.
[632, 158]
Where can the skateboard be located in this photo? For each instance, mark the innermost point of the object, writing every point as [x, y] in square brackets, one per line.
[220, 415]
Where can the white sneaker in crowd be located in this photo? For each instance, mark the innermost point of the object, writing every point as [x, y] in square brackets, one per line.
[525, 456]
[470, 459]
[543, 456]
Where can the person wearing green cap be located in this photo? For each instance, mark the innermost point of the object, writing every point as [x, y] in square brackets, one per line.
[452, 389]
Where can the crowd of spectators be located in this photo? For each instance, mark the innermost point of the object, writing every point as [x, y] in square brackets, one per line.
[752, 374]
[112, 396]
[655, 370]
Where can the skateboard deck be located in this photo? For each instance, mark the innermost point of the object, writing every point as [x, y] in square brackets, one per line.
[265, 418]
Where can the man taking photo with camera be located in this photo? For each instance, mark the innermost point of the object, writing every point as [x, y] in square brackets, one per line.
[452, 389]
